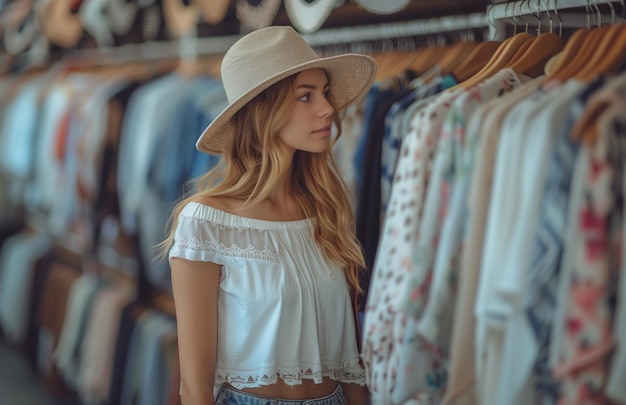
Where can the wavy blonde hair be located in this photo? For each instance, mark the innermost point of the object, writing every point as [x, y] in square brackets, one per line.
[253, 161]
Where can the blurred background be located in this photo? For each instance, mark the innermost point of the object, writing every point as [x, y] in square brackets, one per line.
[101, 102]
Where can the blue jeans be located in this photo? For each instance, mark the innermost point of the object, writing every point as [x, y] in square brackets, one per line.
[229, 396]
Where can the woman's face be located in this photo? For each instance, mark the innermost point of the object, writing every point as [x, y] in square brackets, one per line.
[309, 127]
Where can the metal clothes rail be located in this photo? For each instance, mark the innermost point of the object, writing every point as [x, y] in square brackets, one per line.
[559, 11]
[191, 46]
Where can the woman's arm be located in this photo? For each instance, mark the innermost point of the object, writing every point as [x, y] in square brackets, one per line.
[195, 286]
[355, 394]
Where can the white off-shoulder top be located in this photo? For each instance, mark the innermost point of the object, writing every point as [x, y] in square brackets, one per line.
[284, 310]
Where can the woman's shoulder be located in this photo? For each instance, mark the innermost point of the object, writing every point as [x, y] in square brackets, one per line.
[213, 209]
[221, 203]
[233, 212]
[259, 211]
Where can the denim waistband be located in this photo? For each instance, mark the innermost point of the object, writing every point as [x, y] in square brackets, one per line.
[230, 396]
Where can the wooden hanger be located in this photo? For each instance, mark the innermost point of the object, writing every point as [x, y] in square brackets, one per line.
[455, 56]
[386, 63]
[476, 60]
[499, 61]
[428, 59]
[568, 55]
[609, 56]
[533, 60]
[586, 49]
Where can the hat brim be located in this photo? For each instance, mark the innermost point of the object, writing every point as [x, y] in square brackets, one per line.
[350, 75]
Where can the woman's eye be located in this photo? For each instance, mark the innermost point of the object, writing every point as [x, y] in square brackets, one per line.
[327, 94]
[305, 97]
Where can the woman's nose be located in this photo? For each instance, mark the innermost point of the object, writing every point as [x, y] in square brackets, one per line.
[326, 108]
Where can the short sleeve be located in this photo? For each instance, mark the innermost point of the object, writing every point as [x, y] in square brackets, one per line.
[197, 238]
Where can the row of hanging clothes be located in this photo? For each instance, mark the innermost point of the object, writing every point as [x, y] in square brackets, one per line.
[87, 334]
[491, 212]
[93, 159]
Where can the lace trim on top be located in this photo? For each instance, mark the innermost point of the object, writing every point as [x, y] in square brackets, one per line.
[348, 372]
[205, 233]
[208, 245]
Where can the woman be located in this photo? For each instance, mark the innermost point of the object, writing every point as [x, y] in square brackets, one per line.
[263, 255]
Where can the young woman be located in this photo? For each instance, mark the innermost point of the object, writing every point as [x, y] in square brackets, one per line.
[263, 256]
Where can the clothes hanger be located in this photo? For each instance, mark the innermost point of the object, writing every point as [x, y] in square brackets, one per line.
[386, 59]
[583, 56]
[430, 56]
[471, 70]
[535, 53]
[455, 56]
[446, 61]
[583, 49]
[401, 59]
[609, 56]
[500, 60]
[568, 55]
[524, 53]
[477, 60]
[539, 50]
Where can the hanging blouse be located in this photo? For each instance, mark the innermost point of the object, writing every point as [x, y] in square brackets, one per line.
[426, 339]
[595, 243]
[383, 324]
[470, 200]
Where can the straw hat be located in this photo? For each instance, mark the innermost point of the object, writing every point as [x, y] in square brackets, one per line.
[266, 56]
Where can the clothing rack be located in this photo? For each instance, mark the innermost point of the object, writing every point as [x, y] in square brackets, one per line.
[577, 14]
[403, 29]
[192, 46]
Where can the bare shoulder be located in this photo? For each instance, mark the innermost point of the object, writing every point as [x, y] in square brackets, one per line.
[222, 203]
[263, 210]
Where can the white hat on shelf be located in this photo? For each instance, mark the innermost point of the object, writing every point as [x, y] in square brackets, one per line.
[383, 6]
[308, 16]
[256, 14]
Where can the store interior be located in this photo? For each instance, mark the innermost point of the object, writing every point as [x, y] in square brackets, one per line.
[100, 103]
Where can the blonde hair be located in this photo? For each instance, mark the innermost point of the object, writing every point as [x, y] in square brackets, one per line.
[254, 160]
